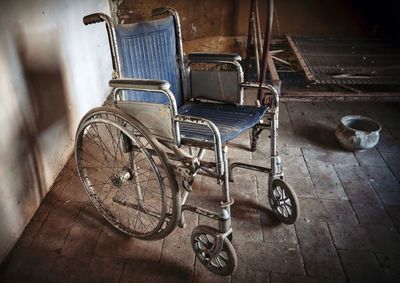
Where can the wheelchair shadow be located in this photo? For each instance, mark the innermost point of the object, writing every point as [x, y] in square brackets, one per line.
[151, 271]
[36, 113]
[92, 218]
[320, 135]
[246, 209]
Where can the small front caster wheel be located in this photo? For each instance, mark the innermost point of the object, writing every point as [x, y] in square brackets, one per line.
[283, 201]
[215, 253]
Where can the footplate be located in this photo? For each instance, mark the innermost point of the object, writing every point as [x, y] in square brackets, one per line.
[246, 166]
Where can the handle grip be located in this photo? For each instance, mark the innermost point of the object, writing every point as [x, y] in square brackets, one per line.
[93, 18]
[159, 11]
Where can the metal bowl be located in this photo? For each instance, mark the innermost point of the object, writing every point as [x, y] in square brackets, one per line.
[357, 132]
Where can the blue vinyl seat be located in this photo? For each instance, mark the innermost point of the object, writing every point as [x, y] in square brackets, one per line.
[230, 119]
[148, 50]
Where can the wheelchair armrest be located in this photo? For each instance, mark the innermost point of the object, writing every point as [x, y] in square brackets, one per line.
[214, 129]
[150, 86]
[273, 89]
[95, 18]
[215, 79]
[159, 86]
[140, 84]
[211, 57]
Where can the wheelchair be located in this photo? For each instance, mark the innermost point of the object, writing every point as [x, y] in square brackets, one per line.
[138, 157]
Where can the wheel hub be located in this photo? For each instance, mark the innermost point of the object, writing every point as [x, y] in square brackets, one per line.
[116, 180]
[283, 201]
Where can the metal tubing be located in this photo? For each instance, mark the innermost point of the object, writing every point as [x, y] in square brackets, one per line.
[216, 134]
[276, 168]
[167, 93]
[184, 197]
[209, 172]
[111, 40]
[171, 99]
[114, 48]
[225, 213]
[137, 183]
[180, 153]
[201, 211]
[225, 192]
[236, 64]
[267, 41]
[274, 112]
[175, 15]
[273, 89]
[273, 136]
[248, 167]
[201, 153]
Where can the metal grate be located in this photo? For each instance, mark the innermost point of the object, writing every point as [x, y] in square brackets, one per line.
[347, 61]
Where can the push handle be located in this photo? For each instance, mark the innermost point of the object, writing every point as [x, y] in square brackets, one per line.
[159, 11]
[93, 18]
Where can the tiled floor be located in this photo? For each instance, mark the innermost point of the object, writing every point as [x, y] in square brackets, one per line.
[348, 229]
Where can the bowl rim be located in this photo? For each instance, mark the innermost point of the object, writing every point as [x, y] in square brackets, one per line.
[360, 117]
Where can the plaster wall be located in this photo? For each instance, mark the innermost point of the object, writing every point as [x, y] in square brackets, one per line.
[221, 25]
[53, 70]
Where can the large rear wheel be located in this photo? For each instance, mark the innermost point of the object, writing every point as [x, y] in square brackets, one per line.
[126, 174]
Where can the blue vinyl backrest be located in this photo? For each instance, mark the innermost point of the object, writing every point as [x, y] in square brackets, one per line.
[147, 50]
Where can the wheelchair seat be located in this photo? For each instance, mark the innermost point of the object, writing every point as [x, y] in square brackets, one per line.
[148, 50]
[129, 154]
[230, 119]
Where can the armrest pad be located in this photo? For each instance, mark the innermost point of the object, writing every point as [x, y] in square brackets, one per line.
[211, 57]
[139, 84]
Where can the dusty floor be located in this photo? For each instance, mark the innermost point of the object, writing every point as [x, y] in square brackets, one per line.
[348, 228]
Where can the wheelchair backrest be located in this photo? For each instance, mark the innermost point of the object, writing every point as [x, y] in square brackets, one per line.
[148, 50]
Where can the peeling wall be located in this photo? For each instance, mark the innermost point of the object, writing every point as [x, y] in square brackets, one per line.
[204, 23]
[306, 17]
[221, 25]
[53, 70]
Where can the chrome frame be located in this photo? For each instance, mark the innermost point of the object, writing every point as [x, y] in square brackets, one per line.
[275, 169]
[235, 63]
[220, 169]
[217, 138]
[178, 34]
[171, 99]
[112, 40]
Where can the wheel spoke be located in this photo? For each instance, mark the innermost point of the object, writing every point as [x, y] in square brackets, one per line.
[283, 201]
[224, 261]
[106, 168]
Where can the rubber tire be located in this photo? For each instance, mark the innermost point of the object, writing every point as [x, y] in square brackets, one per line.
[293, 199]
[176, 197]
[227, 246]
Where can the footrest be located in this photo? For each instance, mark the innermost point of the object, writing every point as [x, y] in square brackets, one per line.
[246, 166]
